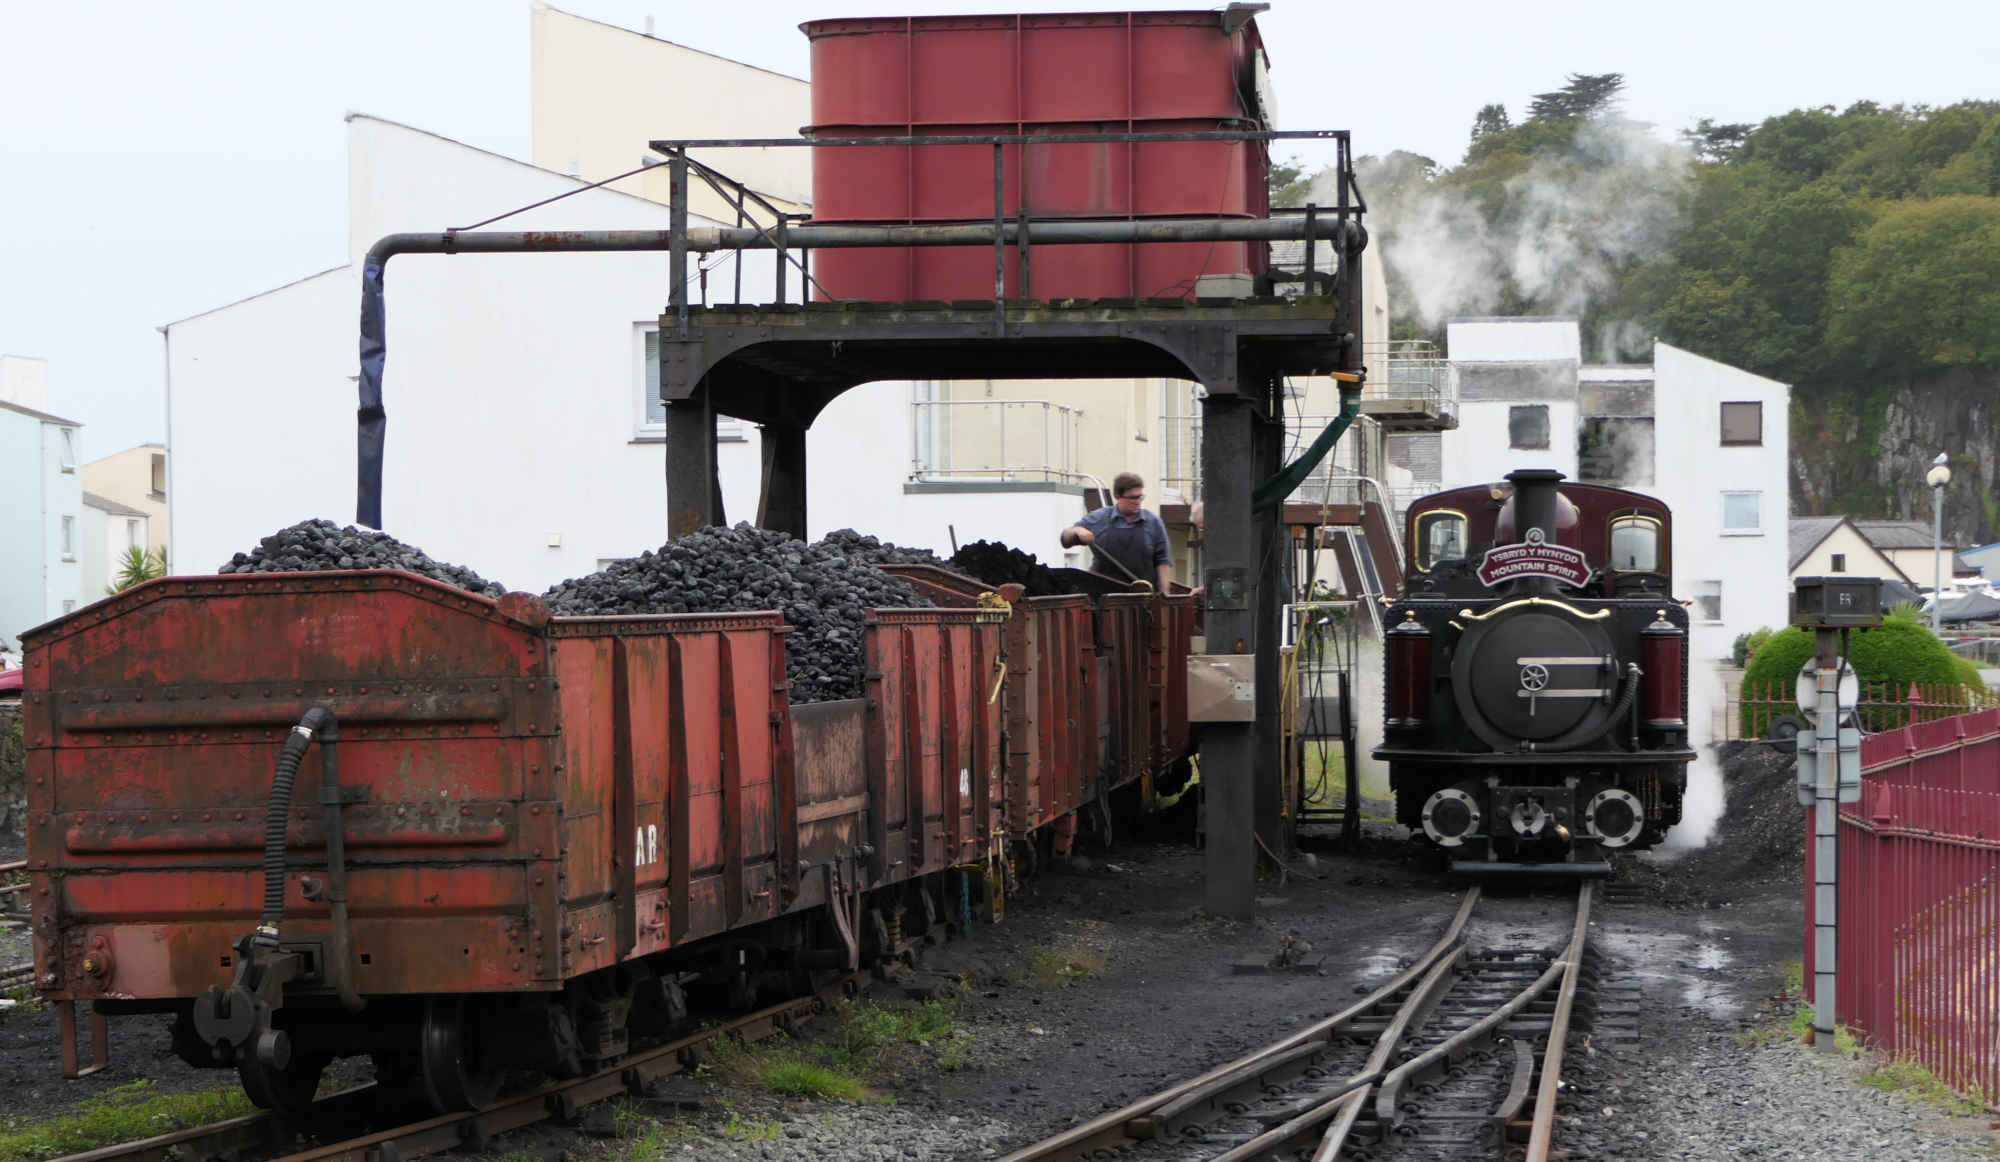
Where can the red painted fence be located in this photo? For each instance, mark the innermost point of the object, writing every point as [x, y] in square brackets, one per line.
[1919, 971]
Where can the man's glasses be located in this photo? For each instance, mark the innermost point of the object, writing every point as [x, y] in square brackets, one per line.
[1133, 496]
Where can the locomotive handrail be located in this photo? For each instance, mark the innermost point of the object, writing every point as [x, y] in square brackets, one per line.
[1565, 606]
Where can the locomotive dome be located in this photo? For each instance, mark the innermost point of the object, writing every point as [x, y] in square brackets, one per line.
[1568, 530]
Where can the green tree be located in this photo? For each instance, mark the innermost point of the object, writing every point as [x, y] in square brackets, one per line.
[138, 566]
[1712, 141]
[1920, 289]
[1489, 120]
[1289, 183]
[1585, 96]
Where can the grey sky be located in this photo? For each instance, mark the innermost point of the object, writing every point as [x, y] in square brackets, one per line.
[162, 157]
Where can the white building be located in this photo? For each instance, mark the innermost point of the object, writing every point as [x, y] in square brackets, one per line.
[111, 529]
[523, 431]
[521, 390]
[1706, 438]
[41, 573]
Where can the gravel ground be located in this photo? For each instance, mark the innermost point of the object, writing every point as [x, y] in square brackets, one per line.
[1160, 995]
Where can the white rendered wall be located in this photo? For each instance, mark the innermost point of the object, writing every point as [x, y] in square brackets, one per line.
[22, 601]
[600, 93]
[24, 380]
[1476, 452]
[858, 463]
[62, 496]
[511, 384]
[1693, 469]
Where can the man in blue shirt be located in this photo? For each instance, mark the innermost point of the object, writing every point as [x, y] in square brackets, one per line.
[1133, 536]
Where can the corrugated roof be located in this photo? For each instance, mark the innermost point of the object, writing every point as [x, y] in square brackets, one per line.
[115, 508]
[1806, 534]
[42, 416]
[1895, 534]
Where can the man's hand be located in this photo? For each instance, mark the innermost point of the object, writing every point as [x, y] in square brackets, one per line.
[1078, 535]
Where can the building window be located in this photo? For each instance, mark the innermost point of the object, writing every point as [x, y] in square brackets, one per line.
[69, 538]
[1708, 600]
[1742, 423]
[1742, 513]
[132, 539]
[68, 449]
[69, 605]
[1528, 426]
[652, 410]
[159, 476]
[1839, 563]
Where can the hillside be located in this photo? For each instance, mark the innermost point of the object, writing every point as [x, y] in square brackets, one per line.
[1854, 254]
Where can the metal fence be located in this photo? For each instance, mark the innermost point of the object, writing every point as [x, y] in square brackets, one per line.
[1919, 925]
[1410, 369]
[1764, 710]
[997, 440]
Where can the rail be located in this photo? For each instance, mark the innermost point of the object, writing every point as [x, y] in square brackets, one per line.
[946, 433]
[332, 1116]
[1299, 1097]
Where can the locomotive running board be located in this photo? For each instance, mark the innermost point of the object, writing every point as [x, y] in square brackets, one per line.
[1588, 869]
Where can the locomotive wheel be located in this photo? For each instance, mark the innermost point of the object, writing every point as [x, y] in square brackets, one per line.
[457, 1075]
[286, 1090]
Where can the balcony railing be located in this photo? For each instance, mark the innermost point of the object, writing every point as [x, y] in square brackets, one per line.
[1001, 441]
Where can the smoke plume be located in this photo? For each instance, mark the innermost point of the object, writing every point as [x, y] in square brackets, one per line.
[1552, 238]
[1701, 809]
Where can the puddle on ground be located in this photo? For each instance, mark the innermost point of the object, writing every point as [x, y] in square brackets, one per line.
[1692, 970]
[1380, 964]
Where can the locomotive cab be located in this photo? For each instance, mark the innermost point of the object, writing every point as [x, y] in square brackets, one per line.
[1536, 692]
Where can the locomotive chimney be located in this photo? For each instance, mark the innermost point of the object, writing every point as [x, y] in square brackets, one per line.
[1535, 498]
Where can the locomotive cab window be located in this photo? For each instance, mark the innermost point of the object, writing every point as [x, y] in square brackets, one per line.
[1440, 539]
[1635, 544]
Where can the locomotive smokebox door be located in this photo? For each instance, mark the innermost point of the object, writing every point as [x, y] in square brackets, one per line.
[1526, 676]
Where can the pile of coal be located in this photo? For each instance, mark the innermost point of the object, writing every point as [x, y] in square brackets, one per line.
[998, 564]
[861, 547]
[316, 545]
[824, 595]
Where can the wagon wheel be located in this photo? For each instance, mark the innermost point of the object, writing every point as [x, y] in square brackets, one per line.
[457, 1070]
[286, 1090]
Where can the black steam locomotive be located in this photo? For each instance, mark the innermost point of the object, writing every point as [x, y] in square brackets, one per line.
[1536, 690]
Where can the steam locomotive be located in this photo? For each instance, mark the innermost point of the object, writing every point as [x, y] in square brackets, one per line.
[1536, 675]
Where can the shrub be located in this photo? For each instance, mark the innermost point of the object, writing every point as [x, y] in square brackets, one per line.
[1747, 645]
[1889, 659]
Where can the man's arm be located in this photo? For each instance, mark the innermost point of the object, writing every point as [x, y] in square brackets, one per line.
[1163, 557]
[1081, 533]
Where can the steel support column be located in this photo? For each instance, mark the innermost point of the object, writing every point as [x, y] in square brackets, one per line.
[694, 492]
[782, 501]
[1229, 570]
[1269, 574]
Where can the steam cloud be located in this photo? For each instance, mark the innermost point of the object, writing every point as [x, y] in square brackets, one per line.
[1701, 809]
[1569, 224]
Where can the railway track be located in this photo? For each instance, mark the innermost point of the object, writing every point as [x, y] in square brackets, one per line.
[334, 1117]
[1459, 1055]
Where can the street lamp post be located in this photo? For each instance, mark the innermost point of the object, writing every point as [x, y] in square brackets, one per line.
[1937, 478]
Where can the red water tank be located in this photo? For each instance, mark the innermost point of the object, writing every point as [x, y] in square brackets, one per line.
[1139, 72]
